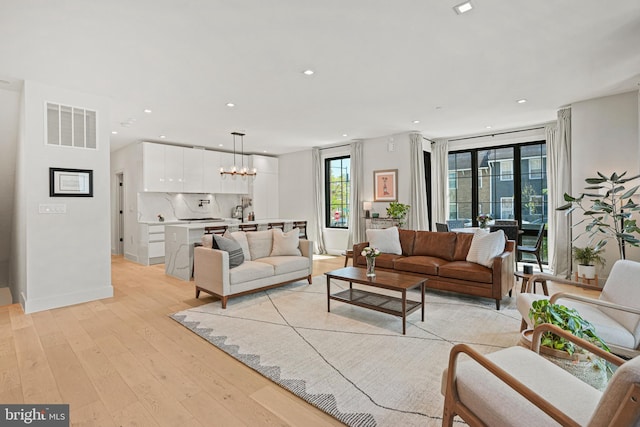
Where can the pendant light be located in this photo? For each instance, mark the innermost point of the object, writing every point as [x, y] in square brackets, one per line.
[233, 170]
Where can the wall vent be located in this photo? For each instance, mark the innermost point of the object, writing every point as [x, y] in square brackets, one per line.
[71, 126]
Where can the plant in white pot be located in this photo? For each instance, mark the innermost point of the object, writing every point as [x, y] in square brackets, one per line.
[586, 258]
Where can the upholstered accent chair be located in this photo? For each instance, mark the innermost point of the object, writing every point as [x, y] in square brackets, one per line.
[518, 387]
[615, 314]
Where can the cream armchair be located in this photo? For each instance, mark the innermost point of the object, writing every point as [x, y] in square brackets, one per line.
[615, 314]
[518, 387]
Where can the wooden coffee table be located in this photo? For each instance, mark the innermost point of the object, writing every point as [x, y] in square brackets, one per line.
[400, 282]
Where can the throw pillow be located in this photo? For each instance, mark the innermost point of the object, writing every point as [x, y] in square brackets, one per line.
[285, 243]
[260, 243]
[387, 240]
[485, 247]
[232, 247]
[241, 238]
[207, 240]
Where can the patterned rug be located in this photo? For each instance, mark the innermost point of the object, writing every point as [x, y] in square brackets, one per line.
[354, 363]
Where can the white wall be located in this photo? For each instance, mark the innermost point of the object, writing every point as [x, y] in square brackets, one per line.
[605, 138]
[296, 182]
[60, 259]
[9, 118]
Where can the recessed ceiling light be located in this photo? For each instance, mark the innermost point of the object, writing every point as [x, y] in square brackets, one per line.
[415, 122]
[521, 101]
[220, 145]
[148, 111]
[308, 72]
[487, 127]
[463, 7]
[163, 136]
[230, 104]
[114, 132]
[264, 151]
[344, 134]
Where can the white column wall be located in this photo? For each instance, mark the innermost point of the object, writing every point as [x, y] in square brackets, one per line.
[60, 259]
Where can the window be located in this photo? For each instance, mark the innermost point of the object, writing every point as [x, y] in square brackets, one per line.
[506, 170]
[337, 191]
[453, 179]
[506, 207]
[507, 182]
[535, 168]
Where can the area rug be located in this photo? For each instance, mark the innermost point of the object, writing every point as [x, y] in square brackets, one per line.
[354, 363]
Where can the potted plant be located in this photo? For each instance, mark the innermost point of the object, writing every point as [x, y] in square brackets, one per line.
[608, 210]
[483, 220]
[398, 211]
[586, 258]
[566, 354]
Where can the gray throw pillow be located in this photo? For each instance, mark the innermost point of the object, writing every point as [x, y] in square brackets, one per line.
[236, 256]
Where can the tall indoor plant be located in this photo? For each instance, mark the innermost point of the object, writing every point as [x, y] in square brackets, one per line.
[608, 208]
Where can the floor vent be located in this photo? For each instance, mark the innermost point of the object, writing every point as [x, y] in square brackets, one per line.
[71, 126]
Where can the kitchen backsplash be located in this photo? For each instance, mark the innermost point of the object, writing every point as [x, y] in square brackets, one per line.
[174, 206]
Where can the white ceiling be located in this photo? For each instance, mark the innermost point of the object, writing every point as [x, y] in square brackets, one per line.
[379, 64]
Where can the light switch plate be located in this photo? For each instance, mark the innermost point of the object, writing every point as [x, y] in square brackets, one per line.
[59, 208]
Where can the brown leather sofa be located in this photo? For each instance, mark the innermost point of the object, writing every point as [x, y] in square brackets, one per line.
[442, 258]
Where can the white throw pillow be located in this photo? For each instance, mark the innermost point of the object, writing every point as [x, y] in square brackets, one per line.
[485, 247]
[286, 243]
[241, 238]
[260, 243]
[387, 240]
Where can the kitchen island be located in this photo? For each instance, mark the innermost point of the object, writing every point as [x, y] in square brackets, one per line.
[180, 239]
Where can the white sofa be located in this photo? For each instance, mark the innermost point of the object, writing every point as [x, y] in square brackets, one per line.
[259, 271]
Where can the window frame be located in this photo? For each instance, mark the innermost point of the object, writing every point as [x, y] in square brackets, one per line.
[327, 183]
[535, 174]
[504, 176]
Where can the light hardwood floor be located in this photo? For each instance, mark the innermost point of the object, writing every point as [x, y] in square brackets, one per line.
[123, 361]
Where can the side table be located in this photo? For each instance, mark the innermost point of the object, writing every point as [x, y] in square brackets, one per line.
[525, 281]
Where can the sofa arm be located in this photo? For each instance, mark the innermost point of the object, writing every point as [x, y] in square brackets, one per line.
[306, 248]
[503, 269]
[357, 249]
[211, 270]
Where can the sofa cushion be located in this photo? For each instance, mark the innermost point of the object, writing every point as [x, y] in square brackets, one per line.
[463, 243]
[241, 238]
[485, 247]
[387, 240]
[260, 243]
[407, 237]
[286, 264]
[207, 240]
[439, 245]
[420, 264]
[236, 257]
[383, 260]
[465, 270]
[248, 271]
[285, 243]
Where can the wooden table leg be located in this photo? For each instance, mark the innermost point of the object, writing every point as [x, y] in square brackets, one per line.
[422, 290]
[544, 287]
[404, 312]
[524, 285]
[328, 294]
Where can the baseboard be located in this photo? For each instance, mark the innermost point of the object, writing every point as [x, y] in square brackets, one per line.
[57, 301]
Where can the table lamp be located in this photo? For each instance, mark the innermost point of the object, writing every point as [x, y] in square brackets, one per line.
[367, 206]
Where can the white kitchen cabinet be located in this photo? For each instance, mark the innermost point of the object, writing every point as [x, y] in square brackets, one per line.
[173, 168]
[265, 187]
[193, 170]
[211, 164]
[152, 167]
[151, 249]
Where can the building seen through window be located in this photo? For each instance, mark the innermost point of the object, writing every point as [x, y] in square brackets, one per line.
[337, 191]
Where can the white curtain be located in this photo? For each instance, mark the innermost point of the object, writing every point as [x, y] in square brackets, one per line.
[356, 221]
[318, 203]
[558, 183]
[418, 217]
[440, 181]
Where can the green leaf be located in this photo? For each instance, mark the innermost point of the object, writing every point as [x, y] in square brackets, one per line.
[568, 198]
[630, 192]
[596, 180]
[564, 207]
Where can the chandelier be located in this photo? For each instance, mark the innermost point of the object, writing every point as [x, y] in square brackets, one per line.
[234, 170]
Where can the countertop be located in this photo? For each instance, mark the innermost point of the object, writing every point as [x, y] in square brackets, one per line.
[195, 225]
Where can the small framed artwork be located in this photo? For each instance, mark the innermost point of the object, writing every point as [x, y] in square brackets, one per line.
[385, 185]
[70, 182]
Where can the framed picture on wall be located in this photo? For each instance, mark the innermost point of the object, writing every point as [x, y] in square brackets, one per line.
[385, 185]
[70, 182]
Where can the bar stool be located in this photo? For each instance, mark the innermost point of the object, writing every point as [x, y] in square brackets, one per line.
[302, 226]
[248, 227]
[216, 229]
[279, 225]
